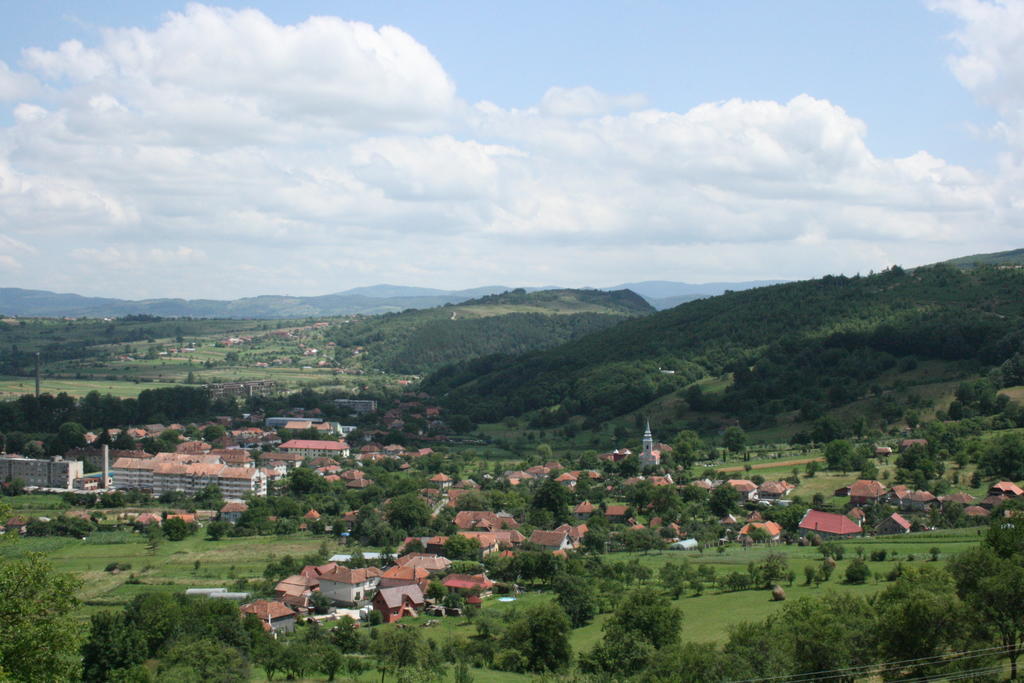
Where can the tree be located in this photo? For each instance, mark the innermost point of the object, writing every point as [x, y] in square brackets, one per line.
[685, 447]
[724, 499]
[459, 547]
[540, 637]
[647, 613]
[554, 498]
[399, 649]
[577, 599]
[919, 617]
[217, 530]
[993, 589]
[204, 659]
[213, 432]
[858, 571]
[175, 529]
[839, 455]
[408, 512]
[113, 645]
[39, 638]
[734, 439]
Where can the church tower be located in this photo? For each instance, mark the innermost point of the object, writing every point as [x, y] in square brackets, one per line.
[649, 457]
[648, 440]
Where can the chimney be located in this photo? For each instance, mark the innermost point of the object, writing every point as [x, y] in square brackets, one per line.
[37, 374]
[106, 466]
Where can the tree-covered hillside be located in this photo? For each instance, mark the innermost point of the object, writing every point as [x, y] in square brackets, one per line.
[510, 323]
[807, 345]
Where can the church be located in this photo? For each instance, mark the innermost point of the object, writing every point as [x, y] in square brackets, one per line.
[649, 458]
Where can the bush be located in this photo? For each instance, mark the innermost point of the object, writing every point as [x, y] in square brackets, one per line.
[117, 566]
[858, 571]
[878, 555]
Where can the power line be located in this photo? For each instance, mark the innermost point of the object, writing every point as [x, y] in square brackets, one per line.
[880, 667]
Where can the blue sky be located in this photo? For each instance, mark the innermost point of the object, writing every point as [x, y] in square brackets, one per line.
[532, 143]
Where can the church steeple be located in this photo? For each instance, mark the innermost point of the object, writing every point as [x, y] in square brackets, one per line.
[648, 440]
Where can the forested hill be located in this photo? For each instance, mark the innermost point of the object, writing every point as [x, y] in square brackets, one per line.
[1013, 258]
[513, 322]
[815, 343]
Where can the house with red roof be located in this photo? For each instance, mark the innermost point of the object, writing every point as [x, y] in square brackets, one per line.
[273, 614]
[867, 491]
[468, 583]
[484, 520]
[232, 510]
[551, 540]
[1005, 488]
[828, 525]
[583, 510]
[746, 488]
[441, 481]
[772, 530]
[434, 564]
[773, 490]
[396, 602]
[616, 513]
[350, 587]
[312, 448]
[893, 524]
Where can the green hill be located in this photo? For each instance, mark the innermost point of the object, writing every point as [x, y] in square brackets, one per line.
[513, 322]
[809, 346]
[1014, 257]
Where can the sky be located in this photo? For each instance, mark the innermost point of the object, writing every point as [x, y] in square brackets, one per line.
[161, 149]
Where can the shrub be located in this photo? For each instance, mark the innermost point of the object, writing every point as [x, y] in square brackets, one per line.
[858, 571]
[878, 555]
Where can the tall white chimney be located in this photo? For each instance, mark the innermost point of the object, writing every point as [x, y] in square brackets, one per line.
[106, 466]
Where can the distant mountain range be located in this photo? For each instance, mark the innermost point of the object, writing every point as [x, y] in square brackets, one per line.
[370, 300]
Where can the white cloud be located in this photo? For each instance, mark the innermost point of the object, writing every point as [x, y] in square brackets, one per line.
[16, 86]
[222, 154]
[587, 101]
[991, 59]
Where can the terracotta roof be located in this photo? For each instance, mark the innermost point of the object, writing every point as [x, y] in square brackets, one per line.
[234, 507]
[976, 511]
[898, 518]
[408, 573]
[1008, 488]
[548, 539]
[584, 508]
[268, 609]
[771, 528]
[468, 581]
[742, 485]
[430, 562]
[958, 497]
[867, 488]
[312, 444]
[829, 523]
[484, 519]
[394, 596]
[773, 487]
[616, 510]
[351, 576]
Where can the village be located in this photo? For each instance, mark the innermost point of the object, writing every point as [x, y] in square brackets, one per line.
[406, 571]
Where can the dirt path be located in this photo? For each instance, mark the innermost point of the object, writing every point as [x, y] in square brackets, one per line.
[768, 465]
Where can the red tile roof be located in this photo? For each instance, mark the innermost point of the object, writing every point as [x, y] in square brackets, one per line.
[315, 444]
[268, 609]
[829, 523]
[867, 488]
